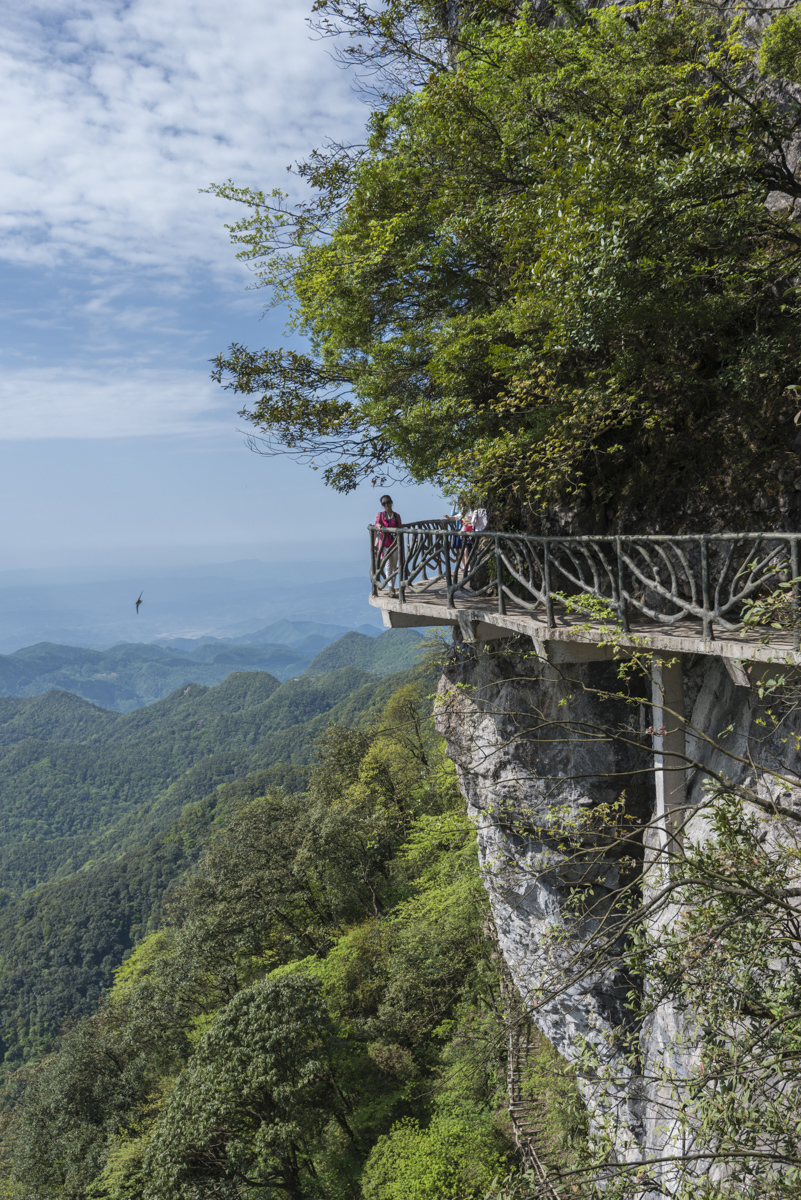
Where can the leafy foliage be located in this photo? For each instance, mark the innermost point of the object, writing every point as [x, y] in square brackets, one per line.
[451, 1157]
[256, 1095]
[322, 974]
[780, 52]
[549, 271]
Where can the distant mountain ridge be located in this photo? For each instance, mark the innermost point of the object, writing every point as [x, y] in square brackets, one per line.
[95, 607]
[132, 675]
[280, 633]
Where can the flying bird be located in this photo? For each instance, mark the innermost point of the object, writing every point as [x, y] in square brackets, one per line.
[139, 601]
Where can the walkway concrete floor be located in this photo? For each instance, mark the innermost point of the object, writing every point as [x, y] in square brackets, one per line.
[479, 619]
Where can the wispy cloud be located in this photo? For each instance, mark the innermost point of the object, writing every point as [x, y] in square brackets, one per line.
[52, 402]
[116, 113]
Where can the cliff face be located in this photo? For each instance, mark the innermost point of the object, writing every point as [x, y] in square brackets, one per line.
[553, 763]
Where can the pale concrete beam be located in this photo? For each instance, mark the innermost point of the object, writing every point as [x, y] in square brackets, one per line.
[737, 672]
[752, 674]
[468, 627]
[490, 633]
[670, 767]
[475, 630]
[472, 627]
[402, 620]
[576, 652]
[416, 610]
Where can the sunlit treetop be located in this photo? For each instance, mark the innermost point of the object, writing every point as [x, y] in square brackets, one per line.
[549, 273]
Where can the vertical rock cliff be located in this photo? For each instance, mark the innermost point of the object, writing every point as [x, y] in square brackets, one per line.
[555, 763]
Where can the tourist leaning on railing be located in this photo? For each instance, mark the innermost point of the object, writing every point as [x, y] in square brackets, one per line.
[387, 543]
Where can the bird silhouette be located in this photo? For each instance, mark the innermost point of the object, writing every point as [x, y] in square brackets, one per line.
[139, 601]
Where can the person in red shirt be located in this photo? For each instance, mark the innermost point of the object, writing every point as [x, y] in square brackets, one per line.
[387, 543]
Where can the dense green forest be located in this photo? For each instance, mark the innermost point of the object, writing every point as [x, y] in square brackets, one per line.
[102, 813]
[313, 1004]
[128, 676]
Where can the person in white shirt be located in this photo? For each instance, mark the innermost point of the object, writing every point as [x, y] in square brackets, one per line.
[474, 521]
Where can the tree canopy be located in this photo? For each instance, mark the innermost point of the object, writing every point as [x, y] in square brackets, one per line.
[323, 974]
[550, 270]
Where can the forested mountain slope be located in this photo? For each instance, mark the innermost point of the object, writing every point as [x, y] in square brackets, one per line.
[320, 974]
[100, 813]
[89, 781]
[395, 650]
[131, 675]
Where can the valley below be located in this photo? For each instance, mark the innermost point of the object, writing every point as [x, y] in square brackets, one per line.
[102, 811]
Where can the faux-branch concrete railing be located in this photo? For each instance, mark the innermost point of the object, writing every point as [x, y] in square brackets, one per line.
[667, 580]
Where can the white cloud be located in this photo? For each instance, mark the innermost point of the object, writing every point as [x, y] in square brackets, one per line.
[53, 402]
[116, 113]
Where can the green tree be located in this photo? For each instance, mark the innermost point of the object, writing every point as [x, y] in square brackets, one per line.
[780, 52]
[247, 1114]
[71, 1104]
[550, 269]
[450, 1157]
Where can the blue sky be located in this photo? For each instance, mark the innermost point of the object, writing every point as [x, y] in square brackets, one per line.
[119, 283]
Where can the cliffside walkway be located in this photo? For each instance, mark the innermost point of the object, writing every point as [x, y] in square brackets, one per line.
[585, 599]
[674, 595]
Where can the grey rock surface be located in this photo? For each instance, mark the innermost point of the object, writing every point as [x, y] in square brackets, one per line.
[551, 762]
[541, 777]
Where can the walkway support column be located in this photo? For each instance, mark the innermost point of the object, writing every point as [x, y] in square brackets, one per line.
[670, 767]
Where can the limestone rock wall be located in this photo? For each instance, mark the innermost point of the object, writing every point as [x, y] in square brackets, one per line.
[533, 759]
[548, 759]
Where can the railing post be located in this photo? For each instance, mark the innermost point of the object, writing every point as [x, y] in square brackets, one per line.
[373, 565]
[622, 606]
[432, 541]
[446, 543]
[402, 567]
[707, 632]
[546, 579]
[794, 569]
[499, 575]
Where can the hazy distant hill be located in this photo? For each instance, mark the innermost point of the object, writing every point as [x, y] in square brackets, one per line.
[301, 633]
[95, 606]
[395, 650]
[131, 675]
[306, 636]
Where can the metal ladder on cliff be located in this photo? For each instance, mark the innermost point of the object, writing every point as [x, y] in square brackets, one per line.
[528, 1120]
